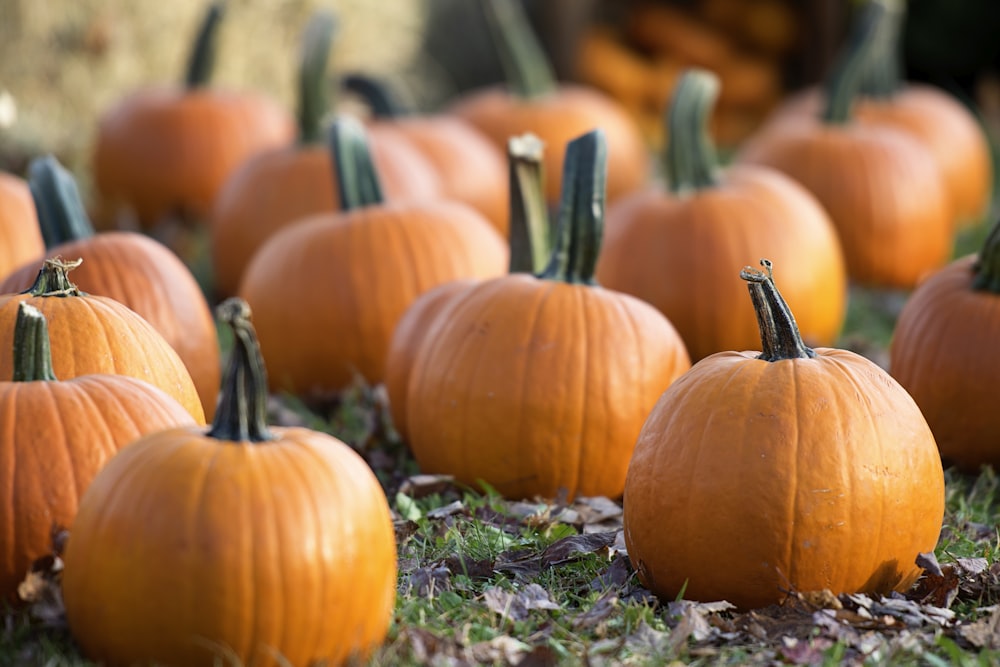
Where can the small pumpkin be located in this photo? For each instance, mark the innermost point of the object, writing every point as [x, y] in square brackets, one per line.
[671, 244]
[295, 179]
[20, 237]
[267, 545]
[164, 150]
[56, 435]
[814, 467]
[538, 385]
[361, 267]
[96, 334]
[942, 353]
[131, 268]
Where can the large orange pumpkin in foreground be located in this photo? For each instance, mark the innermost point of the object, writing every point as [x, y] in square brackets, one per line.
[54, 437]
[791, 469]
[246, 543]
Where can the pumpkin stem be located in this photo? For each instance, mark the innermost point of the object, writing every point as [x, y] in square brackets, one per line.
[883, 77]
[357, 180]
[202, 59]
[986, 269]
[581, 211]
[526, 67]
[241, 415]
[530, 230]
[779, 334]
[61, 213]
[376, 94]
[690, 159]
[52, 279]
[32, 352]
[314, 90]
[844, 81]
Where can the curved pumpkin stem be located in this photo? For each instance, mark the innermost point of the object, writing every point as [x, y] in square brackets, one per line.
[581, 211]
[375, 93]
[530, 230]
[690, 159]
[52, 279]
[314, 90]
[61, 213]
[32, 352]
[202, 59]
[779, 334]
[526, 67]
[843, 84]
[357, 180]
[986, 269]
[883, 77]
[241, 415]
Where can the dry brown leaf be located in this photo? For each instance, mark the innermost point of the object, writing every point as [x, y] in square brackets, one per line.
[517, 605]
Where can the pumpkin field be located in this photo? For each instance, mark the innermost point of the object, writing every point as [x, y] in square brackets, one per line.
[671, 345]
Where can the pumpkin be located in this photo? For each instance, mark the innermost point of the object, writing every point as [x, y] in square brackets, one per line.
[167, 150]
[538, 385]
[942, 353]
[129, 267]
[529, 250]
[56, 435]
[20, 238]
[789, 469]
[533, 101]
[372, 259]
[286, 183]
[96, 334]
[671, 244]
[881, 187]
[247, 543]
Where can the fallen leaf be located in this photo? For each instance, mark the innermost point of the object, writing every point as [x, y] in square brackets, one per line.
[517, 605]
[600, 611]
[573, 547]
[421, 486]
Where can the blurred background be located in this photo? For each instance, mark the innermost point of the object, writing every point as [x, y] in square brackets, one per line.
[62, 62]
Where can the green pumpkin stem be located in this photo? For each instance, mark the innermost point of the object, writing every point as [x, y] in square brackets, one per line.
[375, 93]
[32, 352]
[779, 334]
[241, 415]
[883, 77]
[526, 67]
[986, 269]
[201, 62]
[581, 211]
[52, 279]
[357, 180]
[62, 216]
[314, 89]
[530, 230]
[845, 80]
[690, 159]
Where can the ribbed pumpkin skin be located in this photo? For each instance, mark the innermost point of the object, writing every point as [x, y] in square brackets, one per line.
[414, 327]
[753, 477]
[942, 352]
[150, 279]
[536, 385]
[96, 334]
[557, 119]
[20, 237]
[677, 254]
[362, 269]
[881, 188]
[277, 188]
[166, 150]
[54, 437]
[280, 548]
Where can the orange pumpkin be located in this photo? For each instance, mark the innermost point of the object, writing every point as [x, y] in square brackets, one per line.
[20, 237]
[263, 546]
[539, 385]
[164, 151]
[286, 183]
[96, 334]
[671, 245]
[815, 467]
[56, 435]
[129, 267]
[372, 259]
